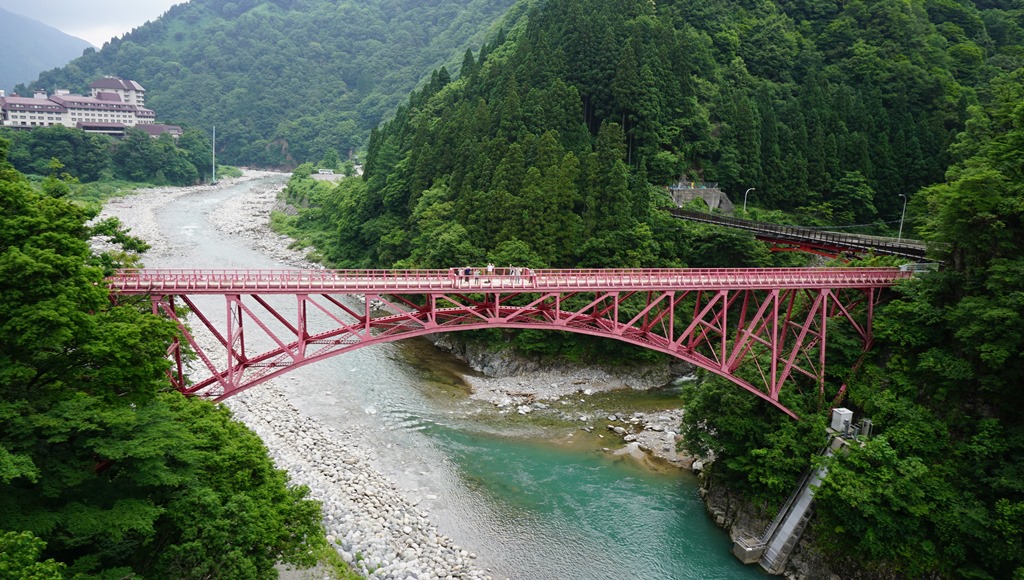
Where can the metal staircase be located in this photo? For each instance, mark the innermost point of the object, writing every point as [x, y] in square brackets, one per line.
[775, 545]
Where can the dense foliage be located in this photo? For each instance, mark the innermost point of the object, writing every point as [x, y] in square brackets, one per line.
[939, 491]
[543, 151]
[114, 474]
[942, 488]
[88, 157]
[284, 81]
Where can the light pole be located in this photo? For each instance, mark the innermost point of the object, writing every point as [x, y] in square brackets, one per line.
[745, 199]
[902, 215]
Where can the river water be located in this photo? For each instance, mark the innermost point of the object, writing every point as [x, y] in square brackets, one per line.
[533, 501]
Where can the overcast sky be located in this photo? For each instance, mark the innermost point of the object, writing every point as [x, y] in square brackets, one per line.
[95, 21]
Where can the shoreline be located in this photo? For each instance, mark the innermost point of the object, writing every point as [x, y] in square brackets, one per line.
[368, 519]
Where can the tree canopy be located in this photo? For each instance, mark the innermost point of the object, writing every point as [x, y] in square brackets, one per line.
[941, 490]
[88, 157]
[115, 475]
[937, 492]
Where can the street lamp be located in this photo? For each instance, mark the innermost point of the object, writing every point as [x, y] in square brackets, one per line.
[902, 215]
[745, 199]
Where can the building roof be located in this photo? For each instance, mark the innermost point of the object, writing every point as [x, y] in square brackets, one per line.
[61, 103]
[116, 83]
[28, 104]
[80, 100]
[100, 104]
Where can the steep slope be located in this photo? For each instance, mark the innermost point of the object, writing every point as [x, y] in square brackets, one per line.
[30, 47]
[545, 141]
[285, 81]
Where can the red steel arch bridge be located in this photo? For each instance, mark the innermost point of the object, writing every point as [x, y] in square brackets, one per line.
[248, 326]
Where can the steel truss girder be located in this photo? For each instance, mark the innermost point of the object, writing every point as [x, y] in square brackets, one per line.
[759, 339]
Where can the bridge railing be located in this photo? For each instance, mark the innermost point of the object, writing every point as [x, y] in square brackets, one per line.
[213, 279]
[223, 280]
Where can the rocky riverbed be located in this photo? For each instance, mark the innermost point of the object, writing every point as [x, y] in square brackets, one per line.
[374, 525]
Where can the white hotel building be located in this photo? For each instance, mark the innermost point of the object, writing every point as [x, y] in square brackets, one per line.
[113, 105]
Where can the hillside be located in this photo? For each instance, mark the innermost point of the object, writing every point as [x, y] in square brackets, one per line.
[30, 47]
[547, 140]
[285, 81]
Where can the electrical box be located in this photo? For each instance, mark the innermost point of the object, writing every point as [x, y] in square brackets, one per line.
[842, 420]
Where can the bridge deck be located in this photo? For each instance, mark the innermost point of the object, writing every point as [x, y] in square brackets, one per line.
[219, 281]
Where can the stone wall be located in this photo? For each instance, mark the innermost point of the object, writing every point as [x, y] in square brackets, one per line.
[714, 197]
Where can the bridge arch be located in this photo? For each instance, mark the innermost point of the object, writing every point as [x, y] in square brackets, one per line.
[259, 325]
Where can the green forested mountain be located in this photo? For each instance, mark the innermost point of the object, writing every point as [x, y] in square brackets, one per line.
[546, 149]
[547, 140]
[284, 81]
[943, 489]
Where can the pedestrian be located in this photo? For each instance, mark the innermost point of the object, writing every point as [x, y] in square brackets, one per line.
[476, 276]
[467, 272]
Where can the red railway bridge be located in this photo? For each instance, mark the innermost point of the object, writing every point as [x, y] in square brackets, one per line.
[812, 240]
[248, 326]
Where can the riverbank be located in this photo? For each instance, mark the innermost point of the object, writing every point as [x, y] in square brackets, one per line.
[373, 523]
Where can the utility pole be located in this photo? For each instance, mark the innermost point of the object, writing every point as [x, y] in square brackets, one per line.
[214, 157]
